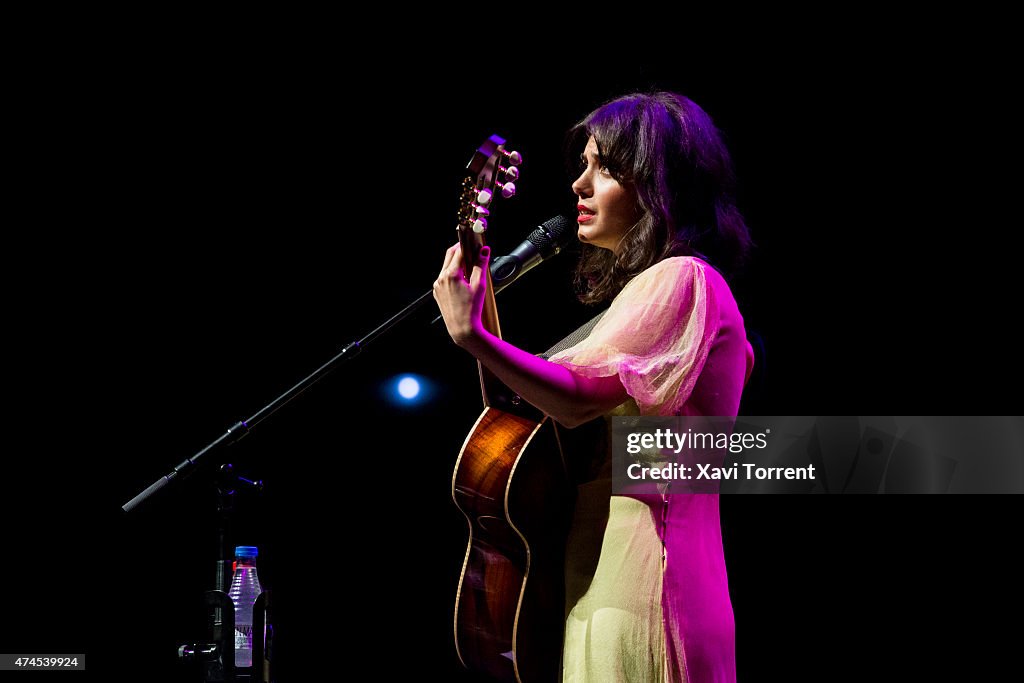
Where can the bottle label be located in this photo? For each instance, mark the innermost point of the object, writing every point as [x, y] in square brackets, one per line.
[243, 636]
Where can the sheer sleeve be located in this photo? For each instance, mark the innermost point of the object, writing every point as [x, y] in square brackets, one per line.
[656, 336]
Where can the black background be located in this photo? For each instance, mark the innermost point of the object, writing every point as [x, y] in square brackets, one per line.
[198, 222]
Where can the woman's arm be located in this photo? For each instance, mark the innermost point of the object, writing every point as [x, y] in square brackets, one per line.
[569, 398]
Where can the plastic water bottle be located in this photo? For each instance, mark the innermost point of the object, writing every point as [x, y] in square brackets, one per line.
[245, 588]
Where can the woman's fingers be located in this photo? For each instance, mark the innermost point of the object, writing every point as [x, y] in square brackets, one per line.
[448, 255]
[480, 270]
[454, 269]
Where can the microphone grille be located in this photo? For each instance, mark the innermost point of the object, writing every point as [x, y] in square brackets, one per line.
[553, 234]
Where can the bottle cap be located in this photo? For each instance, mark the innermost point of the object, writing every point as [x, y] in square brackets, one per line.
[246, 551]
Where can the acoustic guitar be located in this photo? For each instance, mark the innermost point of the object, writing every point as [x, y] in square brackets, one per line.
[509, 608]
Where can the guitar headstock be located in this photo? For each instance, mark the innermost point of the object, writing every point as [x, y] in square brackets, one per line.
[493, 171]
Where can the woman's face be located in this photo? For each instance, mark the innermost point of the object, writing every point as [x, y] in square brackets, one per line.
[607, 209]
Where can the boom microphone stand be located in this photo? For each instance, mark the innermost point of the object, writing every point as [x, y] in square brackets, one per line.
[217, 657]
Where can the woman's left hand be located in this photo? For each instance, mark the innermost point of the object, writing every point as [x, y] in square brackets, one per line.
[461, 301]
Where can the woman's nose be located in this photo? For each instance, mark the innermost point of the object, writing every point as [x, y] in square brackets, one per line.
[580, 185]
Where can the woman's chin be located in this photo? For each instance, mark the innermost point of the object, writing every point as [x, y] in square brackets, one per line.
[583, 237]
[585, 234]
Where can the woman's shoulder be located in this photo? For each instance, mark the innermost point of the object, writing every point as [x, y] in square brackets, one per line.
[678, 277]
[665, 282]
[673, 268]
[689, 267]
[682, 262]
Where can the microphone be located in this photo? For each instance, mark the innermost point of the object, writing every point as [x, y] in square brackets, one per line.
[549, 239]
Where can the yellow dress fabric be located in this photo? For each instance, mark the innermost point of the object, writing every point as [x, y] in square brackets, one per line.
[626, 618]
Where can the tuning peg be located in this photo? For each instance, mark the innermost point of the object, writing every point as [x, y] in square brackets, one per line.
[511, 173]
[508, 189]
[484, 197]
[482, 211]
[514, 158]
[480, 225]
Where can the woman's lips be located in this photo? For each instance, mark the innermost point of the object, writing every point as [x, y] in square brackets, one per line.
[584, 217]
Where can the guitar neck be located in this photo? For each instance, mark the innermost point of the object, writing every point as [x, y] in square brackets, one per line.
[492, 389]
[486, 174]
[494, 392]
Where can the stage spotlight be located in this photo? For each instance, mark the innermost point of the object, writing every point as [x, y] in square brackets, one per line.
[408, 388]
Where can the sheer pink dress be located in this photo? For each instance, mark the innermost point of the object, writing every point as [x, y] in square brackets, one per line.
[637, 610]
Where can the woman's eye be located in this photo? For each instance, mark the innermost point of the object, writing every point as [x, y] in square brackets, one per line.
[601, 168]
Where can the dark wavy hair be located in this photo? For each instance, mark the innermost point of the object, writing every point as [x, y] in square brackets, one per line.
[668, 149]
